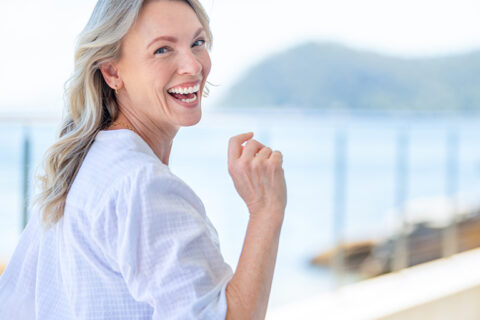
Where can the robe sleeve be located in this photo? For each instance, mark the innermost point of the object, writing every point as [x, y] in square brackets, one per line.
[167, 250]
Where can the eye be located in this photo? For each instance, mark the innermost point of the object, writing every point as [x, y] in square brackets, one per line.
[161, 50]
[199, 43]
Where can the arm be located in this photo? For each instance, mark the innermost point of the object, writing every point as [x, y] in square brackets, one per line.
[258, 177]
[164, 250]
[249, 290]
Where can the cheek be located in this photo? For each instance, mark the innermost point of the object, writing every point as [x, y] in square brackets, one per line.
[135, 76]
[206, 63]
[155, 78]
[146, 83]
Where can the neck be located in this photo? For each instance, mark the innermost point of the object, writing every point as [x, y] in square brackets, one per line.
[159, 138]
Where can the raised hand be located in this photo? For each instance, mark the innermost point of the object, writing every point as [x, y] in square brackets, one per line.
[258, 176]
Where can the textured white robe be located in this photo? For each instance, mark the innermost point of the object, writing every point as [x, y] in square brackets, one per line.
[134, 243]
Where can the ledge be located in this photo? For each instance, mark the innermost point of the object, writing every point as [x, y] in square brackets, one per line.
[443, 289]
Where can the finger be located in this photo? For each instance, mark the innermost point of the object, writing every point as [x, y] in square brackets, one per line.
[251, 149]
[277, 156]
[264, 153]
[235, 145]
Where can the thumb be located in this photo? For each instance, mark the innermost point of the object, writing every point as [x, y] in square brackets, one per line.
[235, 145]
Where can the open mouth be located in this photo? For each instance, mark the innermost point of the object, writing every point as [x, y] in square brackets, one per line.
[186, 95]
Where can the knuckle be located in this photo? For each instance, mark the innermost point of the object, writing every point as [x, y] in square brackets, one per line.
[255, 143]
[277, 156]
[272, 168]
[257, 164]
[276, 165]
[243, 164]
[232, 140]
[267, 149]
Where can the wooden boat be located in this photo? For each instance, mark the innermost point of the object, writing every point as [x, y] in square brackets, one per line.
[424, 242]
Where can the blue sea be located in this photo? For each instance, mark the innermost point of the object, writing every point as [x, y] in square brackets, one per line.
[308, 141]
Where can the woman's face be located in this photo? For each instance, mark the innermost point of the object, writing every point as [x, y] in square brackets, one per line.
[164, 64]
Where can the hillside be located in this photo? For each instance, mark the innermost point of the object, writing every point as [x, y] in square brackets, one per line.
[331, 77]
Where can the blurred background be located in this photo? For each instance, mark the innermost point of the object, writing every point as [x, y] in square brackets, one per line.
[375, 105]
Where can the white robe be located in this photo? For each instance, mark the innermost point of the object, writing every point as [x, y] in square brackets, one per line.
[134, 243]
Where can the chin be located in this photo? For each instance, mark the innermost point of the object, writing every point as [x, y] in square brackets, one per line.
[191, 119]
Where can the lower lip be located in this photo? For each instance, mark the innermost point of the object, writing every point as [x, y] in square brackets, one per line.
[187, 104]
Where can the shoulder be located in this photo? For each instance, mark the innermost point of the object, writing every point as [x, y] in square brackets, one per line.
[151, 174]
[152, 186]
[114, 158]
[121, 169]
[142, 204]
[120, 152]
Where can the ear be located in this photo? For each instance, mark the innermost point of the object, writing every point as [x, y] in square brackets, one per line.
[111, 75]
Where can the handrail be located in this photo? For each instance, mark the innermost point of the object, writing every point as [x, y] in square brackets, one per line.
[340, 183]
[28, 118]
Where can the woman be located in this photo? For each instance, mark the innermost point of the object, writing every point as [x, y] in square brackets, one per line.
[114, 234]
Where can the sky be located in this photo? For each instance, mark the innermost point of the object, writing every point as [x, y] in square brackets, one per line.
[38, 38]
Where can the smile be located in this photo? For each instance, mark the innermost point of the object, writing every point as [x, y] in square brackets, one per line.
[185, 94]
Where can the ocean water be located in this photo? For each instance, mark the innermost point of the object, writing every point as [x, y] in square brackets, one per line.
[307, 140]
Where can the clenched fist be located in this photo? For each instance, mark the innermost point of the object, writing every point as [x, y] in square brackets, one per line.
[258, 176]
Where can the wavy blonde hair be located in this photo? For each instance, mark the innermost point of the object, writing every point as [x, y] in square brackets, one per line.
[90, 103]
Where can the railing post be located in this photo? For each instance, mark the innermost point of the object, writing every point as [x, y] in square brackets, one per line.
[450, 240]
[400, 252]
[26, 174]
[340, 188]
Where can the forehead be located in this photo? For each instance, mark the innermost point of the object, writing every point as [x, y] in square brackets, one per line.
[166, 17]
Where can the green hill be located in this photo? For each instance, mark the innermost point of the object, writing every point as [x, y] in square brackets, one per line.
[332, 77]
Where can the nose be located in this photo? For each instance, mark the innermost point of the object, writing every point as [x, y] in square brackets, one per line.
[189, 63]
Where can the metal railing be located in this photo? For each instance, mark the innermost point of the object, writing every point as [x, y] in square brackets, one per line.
[400, 248]
[340, 187]
[26, 121]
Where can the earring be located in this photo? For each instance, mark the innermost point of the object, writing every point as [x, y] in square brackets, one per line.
[116, 91]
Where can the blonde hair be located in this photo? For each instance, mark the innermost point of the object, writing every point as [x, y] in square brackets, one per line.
[90, 102]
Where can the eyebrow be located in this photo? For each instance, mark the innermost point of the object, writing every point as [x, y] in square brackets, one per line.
[172, 39]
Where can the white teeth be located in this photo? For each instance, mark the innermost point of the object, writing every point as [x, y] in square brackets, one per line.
[193, 89]
[190, 100]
